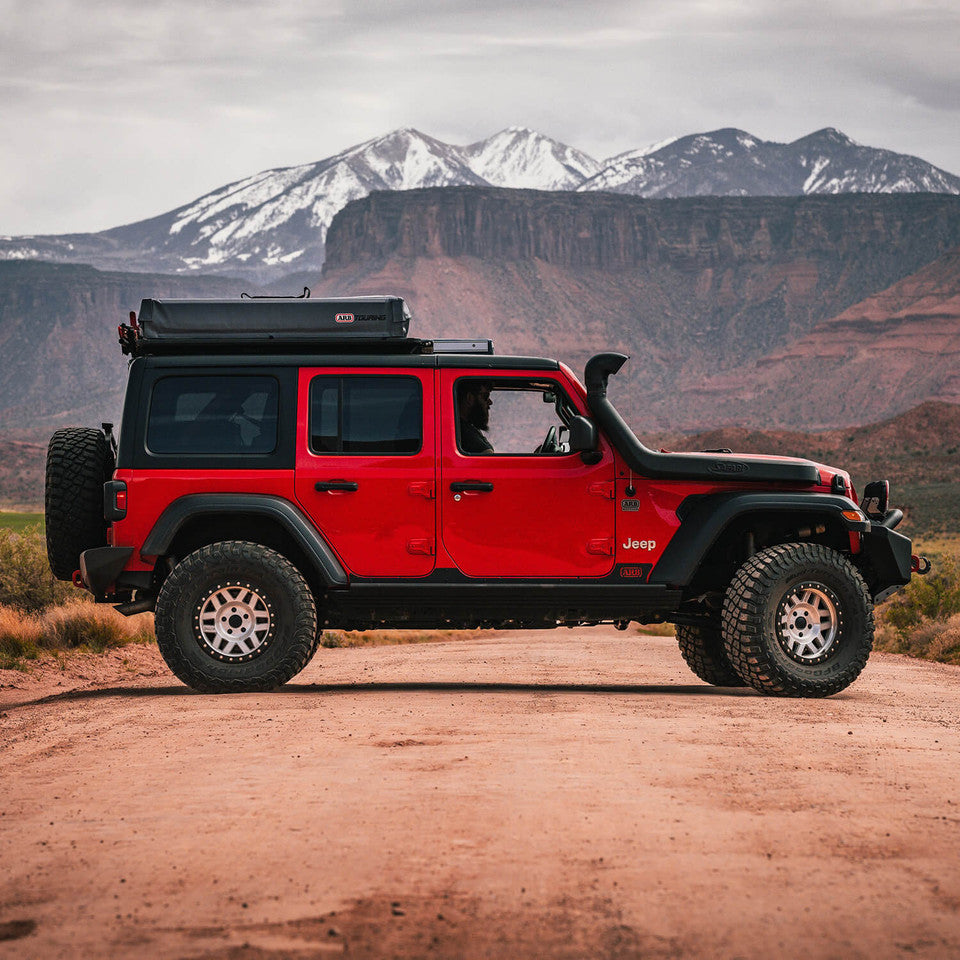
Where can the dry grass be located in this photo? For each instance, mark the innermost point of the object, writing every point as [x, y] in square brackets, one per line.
[38, 612]
[931, 640]
[77, 624]
[381, 638]
[657, 629]
[25, 578]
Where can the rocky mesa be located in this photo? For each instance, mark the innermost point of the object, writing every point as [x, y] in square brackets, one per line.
[711, 296]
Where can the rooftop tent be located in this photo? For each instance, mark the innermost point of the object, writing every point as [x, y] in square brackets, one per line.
[265, 320]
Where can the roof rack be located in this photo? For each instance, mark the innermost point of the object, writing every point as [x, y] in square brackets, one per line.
[458, 346]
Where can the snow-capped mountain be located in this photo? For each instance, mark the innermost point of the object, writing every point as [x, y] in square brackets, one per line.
[280, 217]
[263, 217]
[732, 162]
[276, 221]
[521, 158]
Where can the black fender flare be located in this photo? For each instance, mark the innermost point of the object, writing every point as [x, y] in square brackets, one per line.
[704, 518]
[286, 514]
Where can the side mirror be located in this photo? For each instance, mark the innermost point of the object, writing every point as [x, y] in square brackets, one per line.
[583, 435]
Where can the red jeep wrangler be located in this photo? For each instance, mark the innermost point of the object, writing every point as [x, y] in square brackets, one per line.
[290, 465]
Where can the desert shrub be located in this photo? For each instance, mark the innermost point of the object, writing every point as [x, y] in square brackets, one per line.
[19, 637]
[81, 623]
[25, 578]
[77, 623]
[935, 597]
[932, 640]
[923, 619]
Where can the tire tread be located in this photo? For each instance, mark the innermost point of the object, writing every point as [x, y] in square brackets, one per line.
[743, 612]
[299, 649]
[703, 650]
[79, 461]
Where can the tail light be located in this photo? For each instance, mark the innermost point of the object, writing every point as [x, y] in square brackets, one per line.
[114, 500]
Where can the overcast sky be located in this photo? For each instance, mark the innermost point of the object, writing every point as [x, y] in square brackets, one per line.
[116, 110]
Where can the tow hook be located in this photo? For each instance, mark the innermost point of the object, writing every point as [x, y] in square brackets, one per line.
[78, 580]
[919, 565]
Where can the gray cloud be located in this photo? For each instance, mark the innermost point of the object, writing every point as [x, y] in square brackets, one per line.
[116, 110]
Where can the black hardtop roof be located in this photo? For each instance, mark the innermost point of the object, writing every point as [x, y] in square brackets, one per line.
[248, 361]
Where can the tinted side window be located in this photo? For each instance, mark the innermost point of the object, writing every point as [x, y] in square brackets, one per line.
[366, 415]
[213, 415]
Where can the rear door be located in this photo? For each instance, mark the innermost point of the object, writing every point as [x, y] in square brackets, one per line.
[528, 508]
[366, 460]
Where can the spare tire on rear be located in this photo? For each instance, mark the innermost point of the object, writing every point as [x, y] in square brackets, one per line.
[79, 461]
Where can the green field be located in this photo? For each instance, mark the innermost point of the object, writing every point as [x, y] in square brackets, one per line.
[18, 522]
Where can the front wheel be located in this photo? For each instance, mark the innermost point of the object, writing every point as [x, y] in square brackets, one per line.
[798, 621]
[235, 616]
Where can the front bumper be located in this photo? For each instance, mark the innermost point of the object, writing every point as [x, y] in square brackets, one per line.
[888, 563]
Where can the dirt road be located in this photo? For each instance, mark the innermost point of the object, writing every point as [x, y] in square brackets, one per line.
[565, 794]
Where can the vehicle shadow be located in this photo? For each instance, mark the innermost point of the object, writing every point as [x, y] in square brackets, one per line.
[411, 686]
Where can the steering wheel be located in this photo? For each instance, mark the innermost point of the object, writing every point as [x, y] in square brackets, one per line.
[550, 444]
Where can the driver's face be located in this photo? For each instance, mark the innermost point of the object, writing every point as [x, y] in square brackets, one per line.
[478, 407]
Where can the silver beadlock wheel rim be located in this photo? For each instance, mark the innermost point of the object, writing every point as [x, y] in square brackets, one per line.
[808, 622]
[234, 622]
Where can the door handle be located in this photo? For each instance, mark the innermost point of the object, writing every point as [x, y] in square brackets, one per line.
[348, 486]
[472, 486]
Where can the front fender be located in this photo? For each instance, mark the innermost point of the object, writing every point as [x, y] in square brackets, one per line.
[704, 519]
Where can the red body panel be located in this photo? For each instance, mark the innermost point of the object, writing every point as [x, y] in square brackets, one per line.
[547, 516]
[150, 492]
[388, 526]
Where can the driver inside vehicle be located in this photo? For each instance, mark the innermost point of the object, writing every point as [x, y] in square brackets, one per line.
[473, 415]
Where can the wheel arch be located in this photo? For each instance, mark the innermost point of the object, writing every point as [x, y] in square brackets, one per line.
[196, 520]
[719, 531]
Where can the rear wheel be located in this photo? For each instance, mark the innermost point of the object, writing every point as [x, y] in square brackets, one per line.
[79, 462]
[798, 621]
[703, 650]
[235, 616]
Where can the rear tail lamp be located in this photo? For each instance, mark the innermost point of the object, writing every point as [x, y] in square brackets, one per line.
[114, 500]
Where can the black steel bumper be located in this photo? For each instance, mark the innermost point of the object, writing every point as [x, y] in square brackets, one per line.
[100, 567]
[888, 560]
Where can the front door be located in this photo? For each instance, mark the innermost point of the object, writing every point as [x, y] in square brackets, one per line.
[366, 462]
[514, 502]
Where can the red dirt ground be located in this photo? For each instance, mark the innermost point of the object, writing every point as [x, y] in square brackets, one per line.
[560, 794]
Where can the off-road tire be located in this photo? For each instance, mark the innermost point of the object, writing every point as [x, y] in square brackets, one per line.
[702, 648]
[79, 461]
[756, 631]
[199, 582]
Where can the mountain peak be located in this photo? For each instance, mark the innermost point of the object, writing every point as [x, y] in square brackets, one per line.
[524, 158]
[827, 136]
[402, 134]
